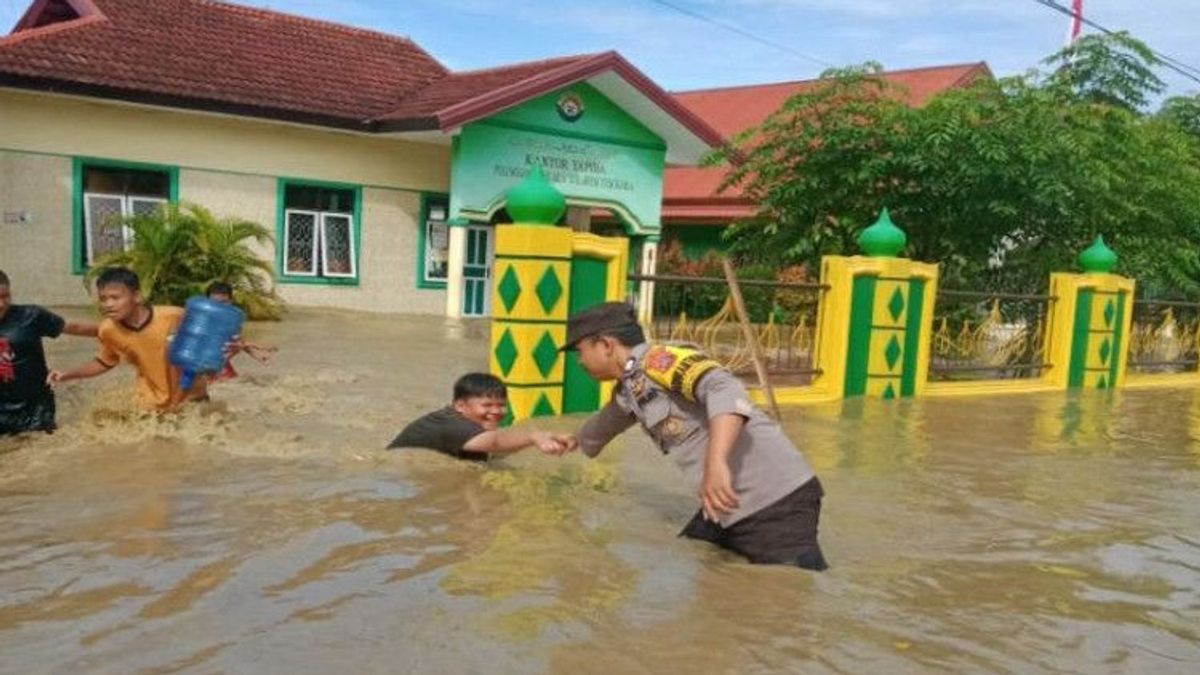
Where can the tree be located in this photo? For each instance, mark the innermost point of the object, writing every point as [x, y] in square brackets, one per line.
[181, 249]
[1001, 182]
[1113, 69]
[1183, 112]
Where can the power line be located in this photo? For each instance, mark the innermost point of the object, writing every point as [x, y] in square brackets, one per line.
[1170, 62]
[741, 31]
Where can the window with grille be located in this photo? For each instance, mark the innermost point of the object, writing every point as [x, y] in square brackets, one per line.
[318, 232]
[437, 241]
[110, 196]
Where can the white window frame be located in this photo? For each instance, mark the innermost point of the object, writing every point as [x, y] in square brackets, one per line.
[287, 238]
[428, 252]
[127, 202]
[349, 218]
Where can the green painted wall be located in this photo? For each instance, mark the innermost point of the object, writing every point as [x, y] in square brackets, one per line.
[589, 287]
[696, 240]
[603, 157]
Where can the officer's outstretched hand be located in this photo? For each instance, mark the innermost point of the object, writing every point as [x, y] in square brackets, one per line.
[716, 491]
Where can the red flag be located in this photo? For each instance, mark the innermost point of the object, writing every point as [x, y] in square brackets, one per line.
[1076, 22]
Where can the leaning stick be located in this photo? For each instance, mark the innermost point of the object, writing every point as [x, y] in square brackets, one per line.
[739, 306]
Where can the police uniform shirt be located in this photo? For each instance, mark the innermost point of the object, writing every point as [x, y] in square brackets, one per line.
[673, 393]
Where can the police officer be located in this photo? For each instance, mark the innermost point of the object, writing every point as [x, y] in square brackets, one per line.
[759, 496]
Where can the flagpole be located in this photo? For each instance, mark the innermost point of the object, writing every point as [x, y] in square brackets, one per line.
[1076, 26]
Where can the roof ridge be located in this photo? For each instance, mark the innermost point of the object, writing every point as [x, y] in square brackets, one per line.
[519, 64]
[971, 64]
[567, 60]
[323, 23]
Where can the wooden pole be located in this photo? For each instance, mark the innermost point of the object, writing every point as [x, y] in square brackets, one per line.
[739, 306]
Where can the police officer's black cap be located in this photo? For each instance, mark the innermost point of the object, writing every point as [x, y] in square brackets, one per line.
[604, 318]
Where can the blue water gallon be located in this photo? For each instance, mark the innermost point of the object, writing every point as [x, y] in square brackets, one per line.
[199, 344]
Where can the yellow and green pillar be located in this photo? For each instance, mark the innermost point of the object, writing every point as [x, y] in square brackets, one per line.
[876, 320]
[1090, 323]
[529, 298]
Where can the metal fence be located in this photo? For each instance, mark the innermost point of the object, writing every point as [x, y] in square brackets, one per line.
[980, 335]
[699, 311]
[1164, 336]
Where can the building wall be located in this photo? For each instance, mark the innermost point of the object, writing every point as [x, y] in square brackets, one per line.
[228, 165]
[37, 254]
[695, 241]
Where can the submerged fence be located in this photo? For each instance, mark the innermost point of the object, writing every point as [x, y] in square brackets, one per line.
[699, 311]
[977, 335]
[1164, 336]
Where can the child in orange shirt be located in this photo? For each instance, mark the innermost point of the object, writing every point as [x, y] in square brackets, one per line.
[140, 335]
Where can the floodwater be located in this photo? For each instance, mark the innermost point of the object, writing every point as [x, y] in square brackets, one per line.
[270, 533]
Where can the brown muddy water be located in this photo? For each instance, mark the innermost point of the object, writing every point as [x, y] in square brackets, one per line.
[270, 533]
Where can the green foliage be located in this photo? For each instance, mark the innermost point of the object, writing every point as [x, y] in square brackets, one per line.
[1114, 69]
[1183, 112]
[1000, 182]
[180, 250]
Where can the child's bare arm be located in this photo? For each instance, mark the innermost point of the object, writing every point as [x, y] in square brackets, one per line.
[90, 369]
[259, 352]
[81, 329]
[504, 441]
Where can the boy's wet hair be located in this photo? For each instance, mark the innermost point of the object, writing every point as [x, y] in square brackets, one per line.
[479, 385]
[218, 288]
[4, 279]
[119, 275]
[628, 336]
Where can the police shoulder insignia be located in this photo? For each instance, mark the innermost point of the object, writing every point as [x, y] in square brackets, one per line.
[677, 368]
[660, 359]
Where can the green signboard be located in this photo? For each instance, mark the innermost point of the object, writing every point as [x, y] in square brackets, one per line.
[590, 149]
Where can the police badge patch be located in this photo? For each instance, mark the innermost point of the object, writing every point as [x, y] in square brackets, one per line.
[660, 359]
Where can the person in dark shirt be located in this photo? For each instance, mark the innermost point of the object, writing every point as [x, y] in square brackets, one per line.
[469, 428]
[26, 401]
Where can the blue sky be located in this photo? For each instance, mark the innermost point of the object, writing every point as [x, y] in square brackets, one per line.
[681, 52]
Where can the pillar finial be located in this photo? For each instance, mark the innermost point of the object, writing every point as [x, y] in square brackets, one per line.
[534, 201]
[1097, 258]
[883, 239]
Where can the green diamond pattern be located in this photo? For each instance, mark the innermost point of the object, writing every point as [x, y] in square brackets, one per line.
[889, 392]
[549, 290]
[508, 419]
[506, 352]
[892, 352]
[896, 304]
[1109, 310]
[510, 288]
[1102, 383]
[545, 354]
[1105, 351]
[543, 407]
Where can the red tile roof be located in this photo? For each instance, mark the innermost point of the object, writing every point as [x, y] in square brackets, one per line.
[202, 53]
[690, 194]
[229, 58]
[456, 88]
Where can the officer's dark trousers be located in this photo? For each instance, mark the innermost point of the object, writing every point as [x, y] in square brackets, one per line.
[784, 533]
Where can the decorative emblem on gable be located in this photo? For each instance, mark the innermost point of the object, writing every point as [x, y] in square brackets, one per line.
[570, 106]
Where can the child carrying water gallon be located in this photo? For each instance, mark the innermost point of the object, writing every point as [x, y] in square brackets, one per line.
[758, 494]
[139, 334]
[219, 291]
[469, 428]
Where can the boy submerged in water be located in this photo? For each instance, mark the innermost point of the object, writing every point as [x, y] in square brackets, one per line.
[26, 402]
[759, 497]
[219, 291]
[139, 334]
[469, 428]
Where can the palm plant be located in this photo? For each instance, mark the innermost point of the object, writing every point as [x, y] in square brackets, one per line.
[181, 249]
